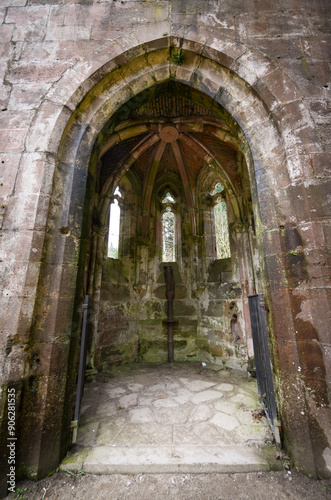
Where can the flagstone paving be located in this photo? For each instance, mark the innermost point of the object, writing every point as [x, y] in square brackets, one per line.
[170, 418]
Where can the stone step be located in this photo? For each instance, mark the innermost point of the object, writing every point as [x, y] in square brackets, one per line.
[175, 459]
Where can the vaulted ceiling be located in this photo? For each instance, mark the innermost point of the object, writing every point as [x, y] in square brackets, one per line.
[172, 131]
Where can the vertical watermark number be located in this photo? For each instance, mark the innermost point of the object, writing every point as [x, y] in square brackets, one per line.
[11, 440]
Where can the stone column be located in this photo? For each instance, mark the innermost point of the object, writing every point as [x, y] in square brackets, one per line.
[246, 278]
[96, 266]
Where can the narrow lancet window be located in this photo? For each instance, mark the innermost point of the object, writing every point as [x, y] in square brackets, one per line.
[221, 224]
[114, 227]
[168, 229]
[168, 233]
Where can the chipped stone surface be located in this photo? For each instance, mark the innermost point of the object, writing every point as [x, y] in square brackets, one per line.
[204, 396]
[225, 421]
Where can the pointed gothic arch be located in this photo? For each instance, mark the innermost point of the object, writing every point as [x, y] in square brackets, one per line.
[75, 124]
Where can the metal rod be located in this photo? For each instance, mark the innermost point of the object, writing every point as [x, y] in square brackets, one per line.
[82, 365]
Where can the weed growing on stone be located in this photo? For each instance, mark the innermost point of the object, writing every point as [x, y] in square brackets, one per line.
[74, 474]
[178, 58]
[20, 493]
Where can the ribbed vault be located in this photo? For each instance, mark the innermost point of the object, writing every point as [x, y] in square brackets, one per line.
[170, 131]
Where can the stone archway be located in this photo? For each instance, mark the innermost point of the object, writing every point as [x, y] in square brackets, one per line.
[249, 96]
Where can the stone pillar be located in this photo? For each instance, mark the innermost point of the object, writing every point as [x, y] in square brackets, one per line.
[95, 272]
[246, 279]
[297, 309]
[142, 263]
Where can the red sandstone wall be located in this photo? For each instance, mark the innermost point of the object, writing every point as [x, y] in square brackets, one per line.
[49, 49]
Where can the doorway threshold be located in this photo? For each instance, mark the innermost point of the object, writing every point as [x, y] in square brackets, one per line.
[169, 418]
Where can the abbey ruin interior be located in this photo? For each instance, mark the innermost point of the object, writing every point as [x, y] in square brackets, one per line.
[138, 135]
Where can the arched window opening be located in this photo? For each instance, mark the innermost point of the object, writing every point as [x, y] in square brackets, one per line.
[114, 227]
[169, 199]
[168, 229]
[221, 223]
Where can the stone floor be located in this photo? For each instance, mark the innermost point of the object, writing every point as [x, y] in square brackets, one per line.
[179, 417]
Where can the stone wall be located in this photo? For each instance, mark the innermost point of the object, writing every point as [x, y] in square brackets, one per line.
[66, 67]
[132, 318]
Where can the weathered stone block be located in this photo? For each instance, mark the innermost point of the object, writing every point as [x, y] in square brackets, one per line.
[320, 112]
[186, 329]
[184, 308]
[55, 319]
[35, 174]
[12, 140]
[312, 235]
[51, 118]
[8, 171]
[27, 96]
[114, 314]
[33, 73]
[34, 51]
[215, 309]
[217, 268]
[271, 24]
[115, 336]
[107, 357]
[318, 196]
[180, 292]
[13, 3]
[311, 358]
[283, 323]
[309, 76]
[252, 67]
[272, 241]
[153, 309]
[288, 358]
[327, 235]
[86, 15]
[315, 309]
[270, 209]
[317, 266]
[223, 290]
[9, 316]
[317, 391]
[25, 320]
[276, 88]
[4, 96]
[223, 51]
[14, 120]
[6, 33]
[15, 366]
[320, 164]
[305, 139]
[30, 22]
[114, 292]
[52, 356]
[114, 271]
[73, 49]
[275, 271]
[68, 33]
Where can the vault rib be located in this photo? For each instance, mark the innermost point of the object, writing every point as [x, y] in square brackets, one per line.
[186, 184]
